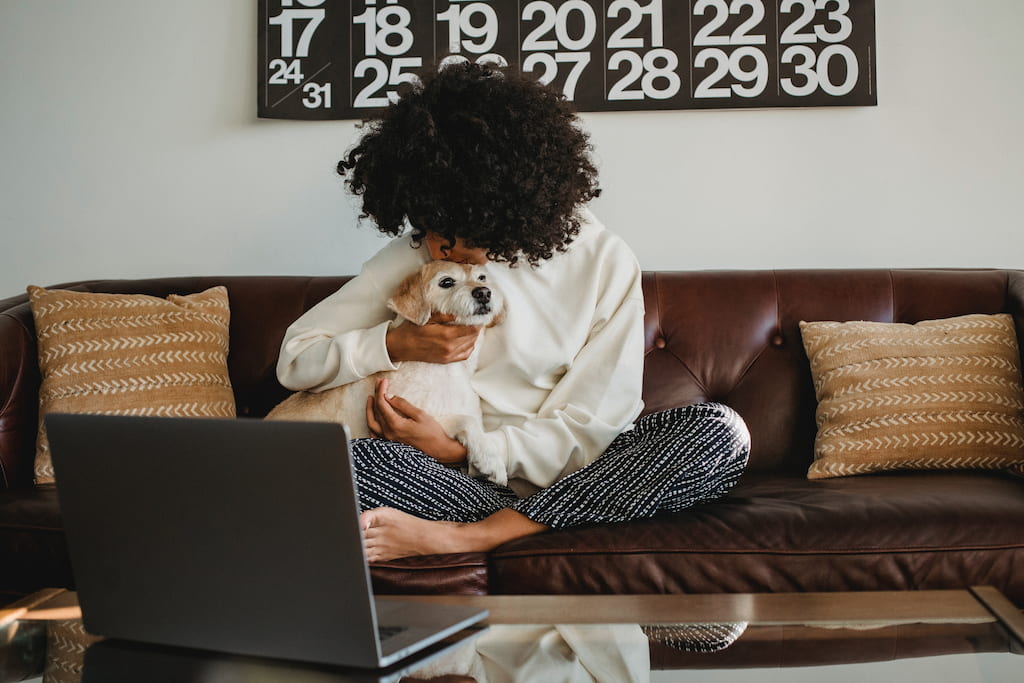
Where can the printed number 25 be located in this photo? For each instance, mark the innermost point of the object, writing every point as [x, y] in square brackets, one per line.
[383, 76]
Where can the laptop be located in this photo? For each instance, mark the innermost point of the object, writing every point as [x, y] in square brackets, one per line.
[234, 535]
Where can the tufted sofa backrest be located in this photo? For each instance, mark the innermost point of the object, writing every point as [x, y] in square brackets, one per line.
[734, 337]
[729, 336]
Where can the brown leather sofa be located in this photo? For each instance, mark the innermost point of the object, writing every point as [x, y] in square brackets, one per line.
[727, 336]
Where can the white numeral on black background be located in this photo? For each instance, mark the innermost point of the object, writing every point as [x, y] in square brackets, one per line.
[286, 20]
[552, 33]
[387, 30]
[722, 10]
[744, 68]
[746, 64]
[461, 22]
[550, 61]
[635, 13]
[317, 96]
[656, 71]
[285, 72]
[795, 33]
[557, 21]
[814, 70]
[384, 76]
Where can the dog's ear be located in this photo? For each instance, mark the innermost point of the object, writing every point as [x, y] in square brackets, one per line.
[410, 301]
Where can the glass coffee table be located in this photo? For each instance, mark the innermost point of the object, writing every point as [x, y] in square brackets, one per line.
[953, 635]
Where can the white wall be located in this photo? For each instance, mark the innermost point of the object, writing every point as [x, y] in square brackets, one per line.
[130, 148]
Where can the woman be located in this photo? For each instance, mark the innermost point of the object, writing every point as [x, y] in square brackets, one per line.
[488, 166]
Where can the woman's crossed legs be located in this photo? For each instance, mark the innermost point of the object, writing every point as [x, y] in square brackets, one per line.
[413, 505]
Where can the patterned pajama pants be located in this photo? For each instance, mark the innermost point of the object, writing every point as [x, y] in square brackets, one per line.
[668, 462]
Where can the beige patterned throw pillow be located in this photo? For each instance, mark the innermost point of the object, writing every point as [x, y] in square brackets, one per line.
[941, 394]
[130, 354]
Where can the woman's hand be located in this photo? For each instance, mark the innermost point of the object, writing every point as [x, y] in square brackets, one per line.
[435, 342]
[395, 419]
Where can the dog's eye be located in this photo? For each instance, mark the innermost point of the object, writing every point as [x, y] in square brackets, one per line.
[482, 278]
[446, 283]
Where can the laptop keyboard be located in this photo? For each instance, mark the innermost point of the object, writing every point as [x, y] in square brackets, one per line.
[385, 632]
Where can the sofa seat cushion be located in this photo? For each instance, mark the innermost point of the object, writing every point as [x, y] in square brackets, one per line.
[775, 533]
[33, 553]
[454, 574]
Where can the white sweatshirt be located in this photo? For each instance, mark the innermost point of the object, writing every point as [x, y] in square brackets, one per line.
[559, 379]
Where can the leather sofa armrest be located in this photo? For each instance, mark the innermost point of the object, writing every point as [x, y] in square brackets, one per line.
[1015, 305]
[19, 393]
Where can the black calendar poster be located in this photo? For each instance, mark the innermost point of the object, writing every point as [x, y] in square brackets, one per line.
[346, 59]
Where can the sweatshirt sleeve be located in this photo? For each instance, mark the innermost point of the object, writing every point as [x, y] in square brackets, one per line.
[342, 339]
[594, 401]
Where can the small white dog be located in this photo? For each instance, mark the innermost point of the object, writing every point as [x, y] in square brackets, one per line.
[443, 390]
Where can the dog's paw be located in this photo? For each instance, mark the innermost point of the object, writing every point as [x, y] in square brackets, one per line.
[484, 459]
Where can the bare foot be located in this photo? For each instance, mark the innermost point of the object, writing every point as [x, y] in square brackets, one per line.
[390, 533]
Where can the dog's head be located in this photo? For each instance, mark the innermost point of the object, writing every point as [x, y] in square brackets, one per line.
[459, 290]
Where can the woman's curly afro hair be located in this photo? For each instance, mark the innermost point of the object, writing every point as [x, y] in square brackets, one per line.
[478, 153]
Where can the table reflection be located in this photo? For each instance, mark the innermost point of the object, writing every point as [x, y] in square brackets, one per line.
[575, 652]
[62, 651]
[560, 652]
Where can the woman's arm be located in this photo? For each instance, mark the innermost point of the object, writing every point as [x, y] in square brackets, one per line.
[350, 334]
[340, 340]
[344, 337]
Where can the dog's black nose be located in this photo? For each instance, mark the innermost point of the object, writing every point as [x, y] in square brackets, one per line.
[482, 294]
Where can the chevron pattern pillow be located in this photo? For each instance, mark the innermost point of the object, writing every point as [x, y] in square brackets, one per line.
[941, 394]
[130, 354]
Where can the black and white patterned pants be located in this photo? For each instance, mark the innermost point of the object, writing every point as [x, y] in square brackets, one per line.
[668, 462]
